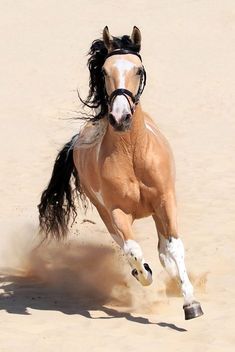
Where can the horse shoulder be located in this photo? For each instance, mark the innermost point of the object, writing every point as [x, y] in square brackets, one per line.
[85, 161]
[155, 163]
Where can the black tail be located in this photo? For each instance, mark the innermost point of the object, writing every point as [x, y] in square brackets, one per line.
[57, 201]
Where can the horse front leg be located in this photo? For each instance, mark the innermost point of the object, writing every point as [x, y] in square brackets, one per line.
[122, 225]
[171, 253]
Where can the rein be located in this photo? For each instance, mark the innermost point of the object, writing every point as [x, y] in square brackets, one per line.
[125, 92]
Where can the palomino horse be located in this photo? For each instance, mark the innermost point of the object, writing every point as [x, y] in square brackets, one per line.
[122, 163]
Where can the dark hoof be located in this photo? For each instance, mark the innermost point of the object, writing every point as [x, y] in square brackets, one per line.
[135, 273]
[146, 266]
[192, 310]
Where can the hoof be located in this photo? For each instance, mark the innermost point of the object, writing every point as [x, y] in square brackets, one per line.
[192, 310]
[146, 266]
[135, 273]
[145, 280]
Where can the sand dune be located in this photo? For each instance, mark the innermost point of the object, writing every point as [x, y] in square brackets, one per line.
[80, 294]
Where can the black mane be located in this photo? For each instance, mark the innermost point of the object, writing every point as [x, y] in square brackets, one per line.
[96, 99]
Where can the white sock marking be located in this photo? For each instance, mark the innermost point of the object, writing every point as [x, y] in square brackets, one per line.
[133, 250]
[170, 250]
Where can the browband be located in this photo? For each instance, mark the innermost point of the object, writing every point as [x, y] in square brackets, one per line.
[123, 52]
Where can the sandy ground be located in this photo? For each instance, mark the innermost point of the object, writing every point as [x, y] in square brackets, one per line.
[79, 295]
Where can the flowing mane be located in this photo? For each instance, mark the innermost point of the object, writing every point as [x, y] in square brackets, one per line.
[96, 99]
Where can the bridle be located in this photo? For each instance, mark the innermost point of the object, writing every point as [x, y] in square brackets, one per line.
[125, 92]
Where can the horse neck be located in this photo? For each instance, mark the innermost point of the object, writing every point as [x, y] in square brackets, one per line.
[132, 137]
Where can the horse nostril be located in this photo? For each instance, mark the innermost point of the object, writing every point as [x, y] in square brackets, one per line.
[112, 120]
[127, 117]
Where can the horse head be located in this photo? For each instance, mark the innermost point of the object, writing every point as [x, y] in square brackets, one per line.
[124, 78]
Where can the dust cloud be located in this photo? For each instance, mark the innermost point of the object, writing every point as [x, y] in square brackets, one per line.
[79, 273]
[86, 274]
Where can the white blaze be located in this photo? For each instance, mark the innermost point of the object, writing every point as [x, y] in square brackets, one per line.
[123, 67]
[120, 104]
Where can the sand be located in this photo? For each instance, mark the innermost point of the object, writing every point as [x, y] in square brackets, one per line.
[80, 295]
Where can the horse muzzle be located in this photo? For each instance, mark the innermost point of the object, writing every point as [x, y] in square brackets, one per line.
[121, 125]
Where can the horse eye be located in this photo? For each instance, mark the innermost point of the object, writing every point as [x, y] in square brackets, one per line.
[139, 71]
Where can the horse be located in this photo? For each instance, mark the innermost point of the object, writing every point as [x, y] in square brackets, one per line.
[122, 164]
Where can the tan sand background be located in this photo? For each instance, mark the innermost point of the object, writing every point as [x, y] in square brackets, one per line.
[80, 295]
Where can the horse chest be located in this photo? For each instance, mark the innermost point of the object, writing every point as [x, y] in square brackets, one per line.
[121, 187]
[115, 181]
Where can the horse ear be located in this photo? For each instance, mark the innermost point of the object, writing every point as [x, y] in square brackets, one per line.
[107, 38]
[136, 36]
